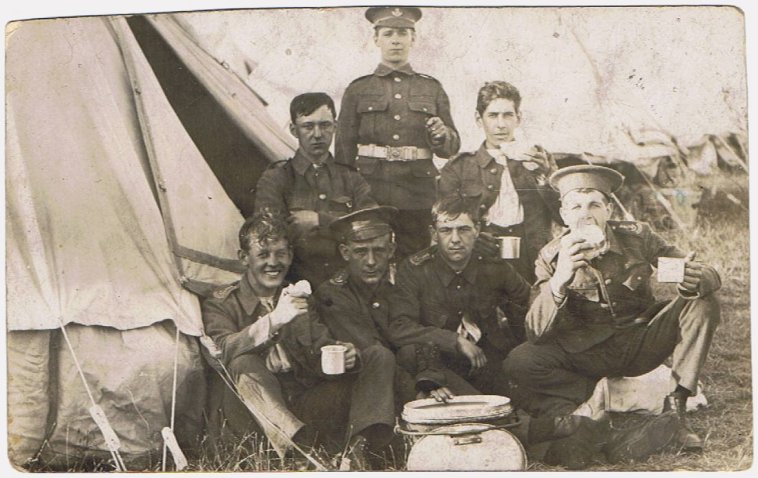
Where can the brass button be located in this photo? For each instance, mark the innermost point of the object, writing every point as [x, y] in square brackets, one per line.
[490, 186]
[396, 137]
[398, 96]
[322, 196]
[458, 287]
[375, 305]
[607, 281]
[398, 79]
[370, 108]
[397, 117]
[493, 170]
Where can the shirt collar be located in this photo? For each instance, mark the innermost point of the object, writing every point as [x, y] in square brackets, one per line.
[247, 296]
[384, 70]
[301, 163]
[367, 294]
[447, 274]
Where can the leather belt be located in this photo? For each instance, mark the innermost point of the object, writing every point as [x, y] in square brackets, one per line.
[394, 153]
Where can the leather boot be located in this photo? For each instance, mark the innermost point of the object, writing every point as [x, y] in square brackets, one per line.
[687, 439]
[643, 440]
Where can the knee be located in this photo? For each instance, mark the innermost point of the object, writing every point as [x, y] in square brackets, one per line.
[406, 358]
[520, 363]
[379, 356]
[707, 309]
[248, 364]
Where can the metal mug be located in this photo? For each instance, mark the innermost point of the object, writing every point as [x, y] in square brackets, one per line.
[510, 247]
[333, 359]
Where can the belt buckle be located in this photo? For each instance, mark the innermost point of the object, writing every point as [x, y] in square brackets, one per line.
[395, 153]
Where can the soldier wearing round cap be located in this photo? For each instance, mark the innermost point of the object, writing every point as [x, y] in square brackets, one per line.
[596, 316]
[392, 122]
[353, 302]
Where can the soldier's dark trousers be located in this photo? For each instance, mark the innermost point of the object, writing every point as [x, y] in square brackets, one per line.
[356, 401]
[461, 380]
[550, 380]
[359, 403]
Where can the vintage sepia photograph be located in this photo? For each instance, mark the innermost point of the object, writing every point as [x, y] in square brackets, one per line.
[378, 238]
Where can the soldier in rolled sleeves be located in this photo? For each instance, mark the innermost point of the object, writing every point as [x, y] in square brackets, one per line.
[392, 122]
[270, 343]
[311, 189]
[507, 179]
[595, 314]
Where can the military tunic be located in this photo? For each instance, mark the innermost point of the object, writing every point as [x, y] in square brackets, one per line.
[390, 108]
[432, 300]
[352, 313]
[610, 324]
[331, 190]
[234, 318]
[476, 178]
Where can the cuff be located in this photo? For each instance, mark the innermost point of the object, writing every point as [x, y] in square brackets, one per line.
[686, 294]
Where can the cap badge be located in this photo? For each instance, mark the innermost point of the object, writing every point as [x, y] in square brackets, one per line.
[397, 13]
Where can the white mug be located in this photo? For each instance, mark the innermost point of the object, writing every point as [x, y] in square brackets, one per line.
[510, 247]
[670, 269]
[333, 359]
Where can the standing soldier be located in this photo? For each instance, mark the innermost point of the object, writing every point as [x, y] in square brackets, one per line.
[391, 124]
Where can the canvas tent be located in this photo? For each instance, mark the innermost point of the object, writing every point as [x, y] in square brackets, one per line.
[133, 145]
[130, 156]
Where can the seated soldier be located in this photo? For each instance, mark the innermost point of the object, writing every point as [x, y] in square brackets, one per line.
[596, 316]
[270, 344]
[449, 298]
[506, 178]
[354, 303]
[311, 189]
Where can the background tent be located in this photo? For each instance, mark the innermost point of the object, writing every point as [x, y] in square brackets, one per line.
[113, 203]
[587, 75]
[132, 154]
[649, 86]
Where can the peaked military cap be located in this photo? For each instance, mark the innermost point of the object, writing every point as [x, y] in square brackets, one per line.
[364, 224]
[397, 17]
[586, 176]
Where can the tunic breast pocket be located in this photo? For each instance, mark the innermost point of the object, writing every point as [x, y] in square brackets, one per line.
[366, 166]
[299, 202]
[341, 205]
[424, 105]
[369, 108]
[637, 274]
[471, 188]
[434, 314]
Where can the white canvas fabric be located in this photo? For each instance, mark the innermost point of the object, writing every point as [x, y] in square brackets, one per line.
[86, 240]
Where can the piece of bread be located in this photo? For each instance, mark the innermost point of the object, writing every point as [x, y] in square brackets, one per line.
[593, 236]
[300, 289]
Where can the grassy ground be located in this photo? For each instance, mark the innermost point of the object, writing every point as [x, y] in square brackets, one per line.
[720, 237]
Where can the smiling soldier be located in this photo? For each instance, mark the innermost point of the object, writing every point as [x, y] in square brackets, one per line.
[392, 122]
[312, 189]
